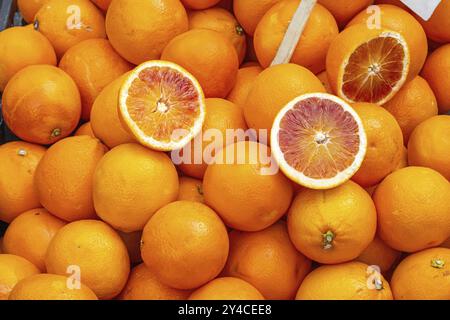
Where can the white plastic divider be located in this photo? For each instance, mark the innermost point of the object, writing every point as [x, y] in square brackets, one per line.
[423, 8]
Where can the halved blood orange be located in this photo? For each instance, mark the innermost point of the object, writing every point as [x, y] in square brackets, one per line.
[318, 141]
[162, 105]
[368, 65]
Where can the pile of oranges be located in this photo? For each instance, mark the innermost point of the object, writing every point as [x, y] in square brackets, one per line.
[351, 202]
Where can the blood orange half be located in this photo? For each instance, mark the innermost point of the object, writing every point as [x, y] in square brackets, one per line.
[318, 141]
[162, 105]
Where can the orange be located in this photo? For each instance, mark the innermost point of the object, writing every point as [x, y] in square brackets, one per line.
[435, 71]
[384, 144]
[162, 105]
[199, 4]
[368, 65]
[413, 104]
[393, 2]
[29, 8]
[227, 288]
[29, 235]
[21, 47]
[222, 21]
[438, 26]
[246, 76]
[446, 244]
[126, 189]
[404, 160]
[379, 254]
[139, 30]
[85, 130]
[68, 22]
[185, 244]
[245, 188]
[191, 189]
[18, 164]
[97, 250]
[12, 270]
[132, 241]
[209, 56]
[399, 20]
[312, 48]
[105, 120]
[413, 206]
[429, 145]
[273, 89]
[102, 4]
[347, 281]
[144, 285]
[49, 287]
[332, 226]
[222, 117]
[92, 64]
[250, 12]
[267, 260]
[423, 276]
[41, 104]
[64, 177]
[323, 77]
[318, 140]
[343, 11]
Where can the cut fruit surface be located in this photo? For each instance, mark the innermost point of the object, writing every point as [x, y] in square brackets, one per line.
[162, 105]
[318, 140]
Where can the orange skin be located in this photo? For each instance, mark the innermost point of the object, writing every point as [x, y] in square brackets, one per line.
[30, 234]
[105, 120]
[52, 21]
[208, 56]
[332, 226]
[397, 19]
[21, 47]
[93, 64]
[384, 144]
[85, 130]
[125, 193]
[222, 21]
[191, 189]
[99, 252]
[268, 260]
[312, 48]
[29, 8]
[12, 270]
[323, 77]
[246, 76]
[64, 177]
[133, 243]
[41, 104]
[347, 281]
[250, 12]
[413, 104]
[102, 4]
[446, 244]
[438, 26]
[435, 71]
[139, 30]
[227, 289]
[413, 205]
[240, 186]
[144, 285]
[49, 287]
[273, 89]
[199, 4]
[429, 145]
[379, 254]
[343, 11]
[185, 244]
[17, 193]
[393, 2]
[221, 115]
[423, 276]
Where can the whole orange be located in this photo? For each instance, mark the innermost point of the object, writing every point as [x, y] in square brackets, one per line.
[185, 244]
[29, 235]
[85, 130]
[17, 193]
[246, 76]
[21, 47]
[41, 104]
[332, 226]
[268, 260]
[199, 4]
[379, 254]
[209, 56]
[438, 26]
[191, 189]
[140, 29]
[126, 192]
[429, 145]
[413, 104]
[64, 177]
[68, 22]
[312, 48]
[344, 10]
[227, 288]
[246, 188]
[93, 64]
[13, 269]
[413, 206]
[29, 8]
[250, 12]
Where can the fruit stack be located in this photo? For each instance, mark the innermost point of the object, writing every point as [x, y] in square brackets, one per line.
[161, 154]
